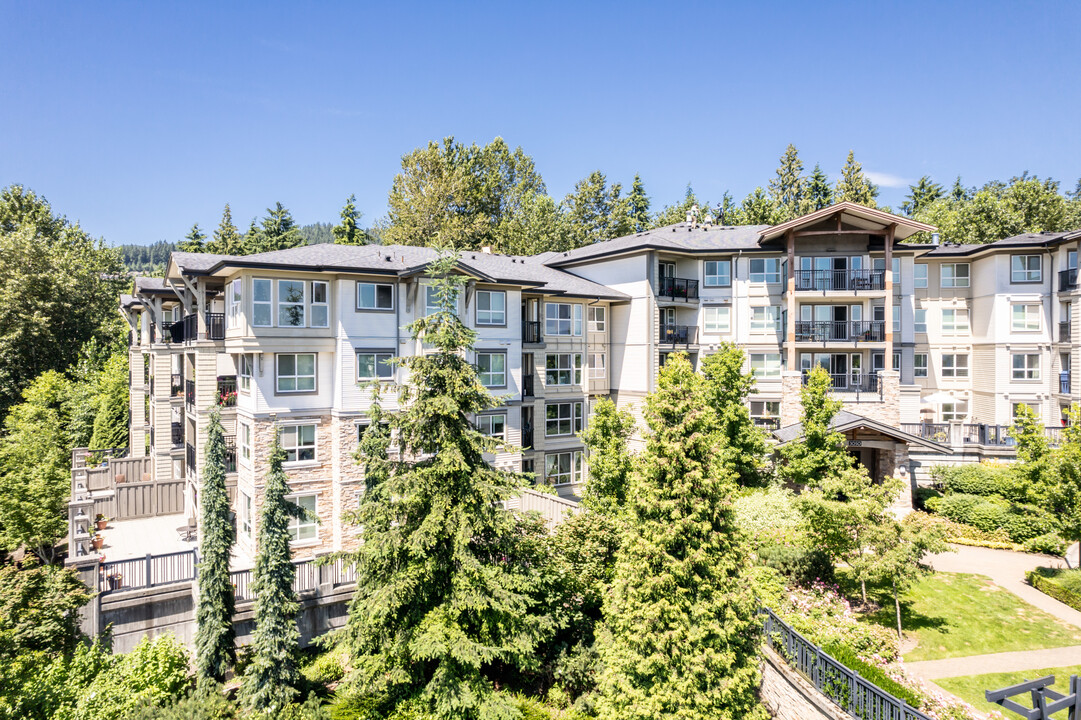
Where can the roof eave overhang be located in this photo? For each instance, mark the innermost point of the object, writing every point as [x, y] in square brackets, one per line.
[904, 226]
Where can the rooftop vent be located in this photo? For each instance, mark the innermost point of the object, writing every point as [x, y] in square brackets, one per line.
[487, 249]
[935, 238]
[388, 258]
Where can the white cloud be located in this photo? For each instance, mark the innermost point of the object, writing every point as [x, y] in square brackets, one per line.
[886, 179]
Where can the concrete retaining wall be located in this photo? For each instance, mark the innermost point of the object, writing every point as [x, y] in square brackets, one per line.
[789, 696]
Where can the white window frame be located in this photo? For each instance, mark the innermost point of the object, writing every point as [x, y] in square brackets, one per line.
[361, 286]
[554, 323]
[919, 275]
[951, 279]
[494, 375]
[431, 301]
[715, 324]
[598, 317]
[920, 369]
[486, 424]
[958, 410]
[1028, 371]
[245, 514]
[323, 306]
[282, 305]
[1030, 317]
[952, 368]
[567, 365]
[721, 275]
[1026, 275]
[296, 376]
[257, 304]
[489, 317]
[245, 367]
[920, 321]
[297, 525]
[598, 363]
[955, 321]
[290, 438]
[236, 302]
[575, 470]
[770, 273]
[384, 371]
[568, 413]
[765, 365]
[896, 320]
[243, 441]
[765, 319]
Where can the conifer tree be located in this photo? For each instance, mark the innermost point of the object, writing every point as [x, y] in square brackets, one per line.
[278, 231]
[786, 189]
[817, 193]
[609, 461]
[820, 454]
[854, 185]
[959, 193]
[920, 195]
[727, 387]
[215, 638]
[638, 205]
[272, 678]
[346, 232]
[759, 209]
[438, 604]
[227, 240]
[194, 241]
[684, 633]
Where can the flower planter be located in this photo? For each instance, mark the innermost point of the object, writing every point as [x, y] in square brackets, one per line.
[101, 524]
[115, 581]
[96, 542]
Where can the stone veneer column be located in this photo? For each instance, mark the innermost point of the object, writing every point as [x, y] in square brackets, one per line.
[791, 407]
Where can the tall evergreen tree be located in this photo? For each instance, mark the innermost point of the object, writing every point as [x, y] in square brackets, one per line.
[683, 624]
[786, 189]
[638, 205]
[279, 231]
[817, 193]
[194, 241]
[273, 677]
[609, 461]
[347, 232]
[727, 387]
[253, 239]
[854, 185]
[227, 240]
[960, 193]
[215, 639]
[921, 195]
[438, 604]
[759, 209]
[820, 454]
[591, 210]
[672, 214]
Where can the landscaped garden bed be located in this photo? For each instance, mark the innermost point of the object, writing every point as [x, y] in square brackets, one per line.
[1063, 585]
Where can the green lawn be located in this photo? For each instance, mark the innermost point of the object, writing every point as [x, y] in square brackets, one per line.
[970, 688]
[954, 615]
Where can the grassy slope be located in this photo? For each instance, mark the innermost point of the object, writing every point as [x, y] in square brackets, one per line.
[955, 615]
[971, 688]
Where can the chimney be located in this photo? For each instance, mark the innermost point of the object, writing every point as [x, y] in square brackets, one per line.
[935, 238]
[487, 249]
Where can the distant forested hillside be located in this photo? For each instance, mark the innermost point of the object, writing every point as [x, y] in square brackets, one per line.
[317, 233]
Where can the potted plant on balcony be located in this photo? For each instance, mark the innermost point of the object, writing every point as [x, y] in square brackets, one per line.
[227, 398]
[101, 522]
[115, 579]
[97, 541]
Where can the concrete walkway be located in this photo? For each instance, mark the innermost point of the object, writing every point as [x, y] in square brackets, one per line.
[996, 662]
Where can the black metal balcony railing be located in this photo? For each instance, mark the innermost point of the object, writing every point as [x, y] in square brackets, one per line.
[531, 331]
[189, 392]
[767, 423]
[190, 327]
[189, 458]
[679, 334]
[1064, 332]
[527, 437]
[677, 288]
[840, 331]
[215, 326]
[178, 434]
[173, 332]
[527, 386]
[227, 390]
[230, 453]
[854, 382]
[1067, 280]
[151, 386]
[833, 280]
[1064, 382]
[176, 385]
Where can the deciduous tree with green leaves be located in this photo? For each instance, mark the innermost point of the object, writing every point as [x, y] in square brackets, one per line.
[1064, 487]
[215, 638]
[1033, 448]
[727, 387]
[899, 551]
[112, 418]
[821, 452]
[606, 439]
[684, 639]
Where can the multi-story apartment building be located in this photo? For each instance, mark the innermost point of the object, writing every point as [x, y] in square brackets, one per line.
[292, 341]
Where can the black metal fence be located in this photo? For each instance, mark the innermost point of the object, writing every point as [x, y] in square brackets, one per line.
[859, 697]
[840, 331]
[1067, 280]
[679, 334]
[833, 280]
[677, 288]
[531, 331]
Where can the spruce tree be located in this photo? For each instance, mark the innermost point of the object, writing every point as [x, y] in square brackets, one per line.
[682, 619]
[727, 387]
[278, 230]
[194, 241]
[959, 193]
[273, 677]
[438, 604]
[820, 454]
[921, 195]
[854, 185]
[638, 205]
[346, 232]
[227, 240]
[609, 461]
[817, 193]
[252, 241]
[786, 189]
[215, 637]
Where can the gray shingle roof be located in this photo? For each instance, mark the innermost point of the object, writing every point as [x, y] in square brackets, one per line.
[845, 420]
[1037, 239]
[152, 286]
[680, 237]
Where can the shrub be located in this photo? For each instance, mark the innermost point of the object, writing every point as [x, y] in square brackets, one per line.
[987, 513]
[155, 673]
[802, 566]
[961, 534]
[1063, 585]
[823, 616]
[925, 494]
[326, 667]
[985, 479]
[768, 515]
[873, 674]
[1049, 544]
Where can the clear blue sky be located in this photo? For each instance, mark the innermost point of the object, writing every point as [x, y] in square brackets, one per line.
[138, 119]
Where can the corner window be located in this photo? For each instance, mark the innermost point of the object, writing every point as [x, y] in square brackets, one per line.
[260, 305]
[717, 319]
[375, 296]
[954, 275]
[493, 425]
[718, 273]
[1025, 318]
[296, 373]
[298, 441]
[320, 304]
[1026, 366]
[563, 468]
[919, 275]
[563, 319]
[765, 270]
[374, 365]
[1026, 269]
[597, 318]
[491, 307]
[766, 365]
[562, 419]
[954, 366]
[303, 529]
[919, 365]
[492, 369]
[597, 366]
[563, 369]
[290, 303]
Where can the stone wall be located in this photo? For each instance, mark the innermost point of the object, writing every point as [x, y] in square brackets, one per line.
[884, 407]
[789, 696]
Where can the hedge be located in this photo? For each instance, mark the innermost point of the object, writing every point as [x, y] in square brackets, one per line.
[986, 479]
[988, 513]
[874, 675]
[1043, 579]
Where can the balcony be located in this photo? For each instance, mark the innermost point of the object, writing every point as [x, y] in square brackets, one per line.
[855, 331]
[1064, 332]
[173, 332]
[230, 454]
[189, 392]
[189, 458]
[176, 385]
[215, 327]
[939, 432]
[227, 391]
[840, 280]
[679, 334]
[531, 333]
[178, 434]
[1067, 280]
[767, 423]
[1064, 382]
[854, 382]
[675, 288]
[527, 438]
[527, 386]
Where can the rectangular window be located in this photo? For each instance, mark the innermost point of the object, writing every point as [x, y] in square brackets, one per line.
[718, 273]
[375, 296]
[919, 275]
[765, 270]
[290, 303]
[919, 365]
[562, 419]
[897, 318]
[493, 425]
[492, 369]
[303, 528]
[1026, 366]
[954, 275]
[1025, 318]
[1026, 269]
[955, 320]
[491, 307]
[298, 441]
[766, 365]
[296, 373]
[597, 366]
[245, 514]
[563, 319]
[320, 304]
[374, 365]
[563, 369]
[431, 301]
[260, 303]
[244, 440]
[765, 408]
[766, 319]
[920, 324]
[954, 411]
[563, 468]
[244, 371]
[597, 316]
[955, 366]
[235, 303]
[1016, 409]
[718, 319]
